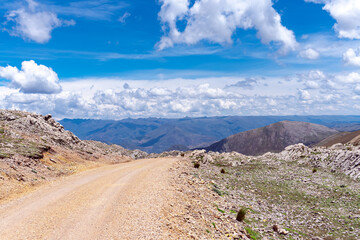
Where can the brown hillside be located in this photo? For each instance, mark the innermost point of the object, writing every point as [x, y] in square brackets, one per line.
[273, 138]
[342, 137]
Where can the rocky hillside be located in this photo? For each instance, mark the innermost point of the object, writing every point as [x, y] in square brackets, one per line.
[36, 148]
[300, 193]
[273, 138]
[342, 137]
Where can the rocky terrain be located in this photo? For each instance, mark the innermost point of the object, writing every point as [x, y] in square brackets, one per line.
[273, 138]
[299, 193]
[35, 149]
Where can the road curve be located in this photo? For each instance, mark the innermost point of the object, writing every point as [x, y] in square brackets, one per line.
[122, 201]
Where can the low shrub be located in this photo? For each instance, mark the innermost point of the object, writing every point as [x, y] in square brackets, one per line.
[196, 165]
[241, 215]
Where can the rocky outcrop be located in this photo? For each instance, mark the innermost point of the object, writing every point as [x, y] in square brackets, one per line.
[233, 159]
[47, 131]
[337, 158]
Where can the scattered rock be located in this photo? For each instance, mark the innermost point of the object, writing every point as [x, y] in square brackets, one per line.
[47, 117]
[283, 231]
[337, 146]
[280, 188]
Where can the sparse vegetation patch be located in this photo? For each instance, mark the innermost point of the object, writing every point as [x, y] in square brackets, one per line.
[303, 197]
[196, 165]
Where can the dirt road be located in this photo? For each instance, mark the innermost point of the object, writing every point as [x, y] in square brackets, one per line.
[121, 201]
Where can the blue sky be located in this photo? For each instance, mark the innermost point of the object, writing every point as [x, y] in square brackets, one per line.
[175, 58]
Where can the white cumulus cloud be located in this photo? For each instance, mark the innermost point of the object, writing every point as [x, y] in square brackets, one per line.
[312, 85]
[352, 57]
[309, 54]
[316, 75]
[353, 77]
[347, 16]
[304, 94]
[33, 22]
[32, 78]
[217, 20]
[313, 93]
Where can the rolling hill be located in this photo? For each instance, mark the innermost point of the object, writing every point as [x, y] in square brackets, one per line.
[273, 138]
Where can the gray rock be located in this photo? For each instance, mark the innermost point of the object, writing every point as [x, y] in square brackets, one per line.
[52, 133]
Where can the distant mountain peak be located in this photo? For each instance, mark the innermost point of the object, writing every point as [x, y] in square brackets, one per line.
[273, 138]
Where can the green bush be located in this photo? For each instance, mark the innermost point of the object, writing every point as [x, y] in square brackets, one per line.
[196, 165]
[241, 215]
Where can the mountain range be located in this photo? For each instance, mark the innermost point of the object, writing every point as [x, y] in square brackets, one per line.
[155, 135]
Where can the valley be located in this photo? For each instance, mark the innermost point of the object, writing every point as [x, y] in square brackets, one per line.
[156, 135]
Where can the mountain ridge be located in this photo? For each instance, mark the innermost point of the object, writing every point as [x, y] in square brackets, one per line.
[273, 138]
[196, 132]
